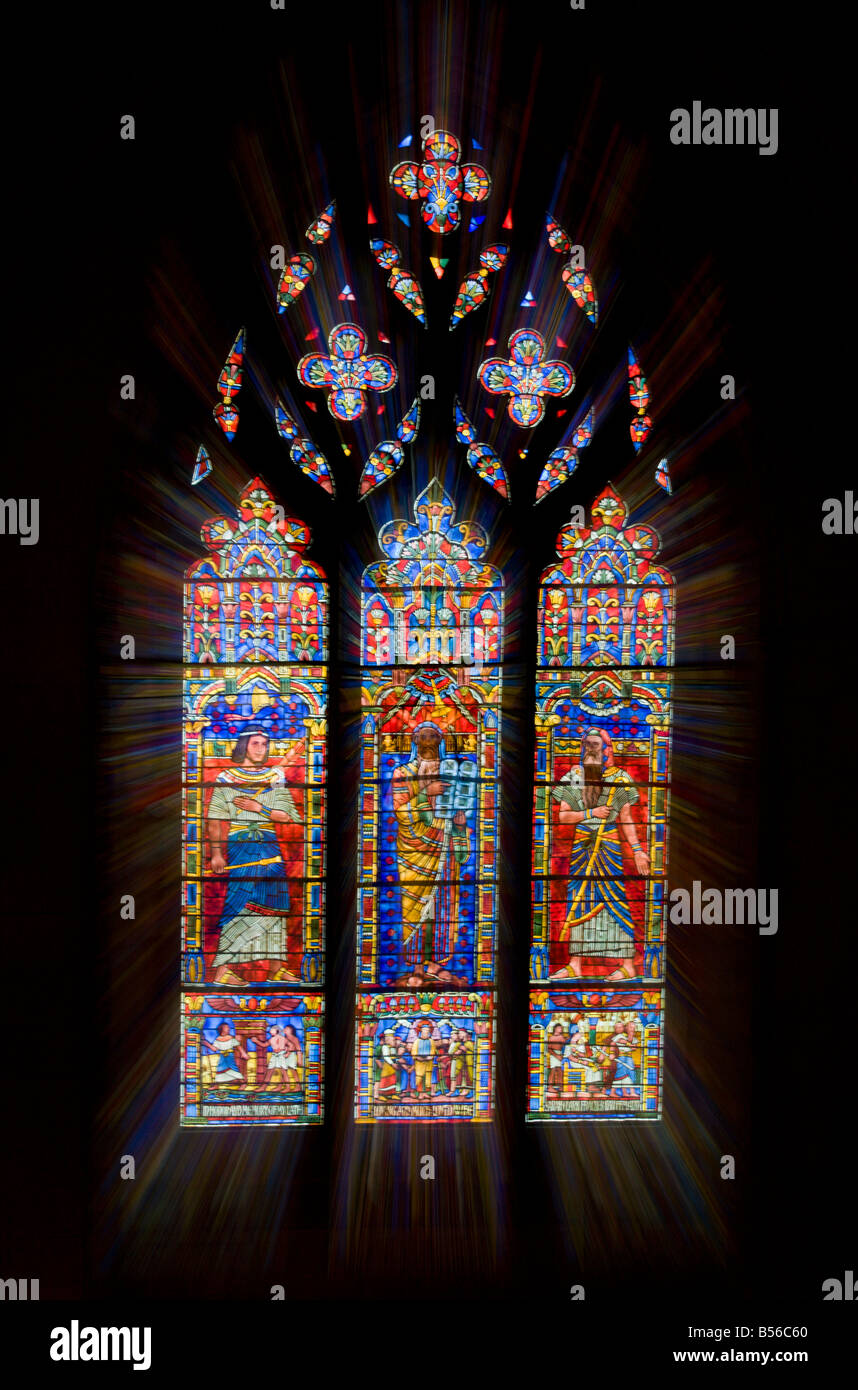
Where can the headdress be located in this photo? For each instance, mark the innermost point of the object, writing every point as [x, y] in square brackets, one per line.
[607, 746]
[423, 728]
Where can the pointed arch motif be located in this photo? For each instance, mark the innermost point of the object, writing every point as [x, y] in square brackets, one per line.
[432, 632]
[253, 860]
[601, 809]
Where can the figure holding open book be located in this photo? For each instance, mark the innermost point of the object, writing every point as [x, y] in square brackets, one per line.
[433, 796]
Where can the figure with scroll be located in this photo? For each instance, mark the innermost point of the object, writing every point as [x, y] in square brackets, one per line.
[596, 798]
[434, 796]
[249, 804]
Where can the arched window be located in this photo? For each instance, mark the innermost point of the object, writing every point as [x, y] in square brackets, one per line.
[603, 712]
[430, 714]
[255, 702]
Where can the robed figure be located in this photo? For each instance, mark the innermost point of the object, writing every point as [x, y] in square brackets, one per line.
[596, 798]
[249, 801]
[432, 794]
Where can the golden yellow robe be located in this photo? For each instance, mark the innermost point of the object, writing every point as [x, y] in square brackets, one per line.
[429, 851]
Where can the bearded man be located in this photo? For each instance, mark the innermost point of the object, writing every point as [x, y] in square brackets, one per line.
[249, 802]
[431, 845]
[596, 798]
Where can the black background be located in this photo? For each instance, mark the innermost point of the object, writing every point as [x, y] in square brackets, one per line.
[89, 218]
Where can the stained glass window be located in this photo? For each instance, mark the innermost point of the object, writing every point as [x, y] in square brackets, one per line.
[602, 778]
[431, 647]
[255, 707]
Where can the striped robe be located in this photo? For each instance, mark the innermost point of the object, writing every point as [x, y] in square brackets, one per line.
[428, 854]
